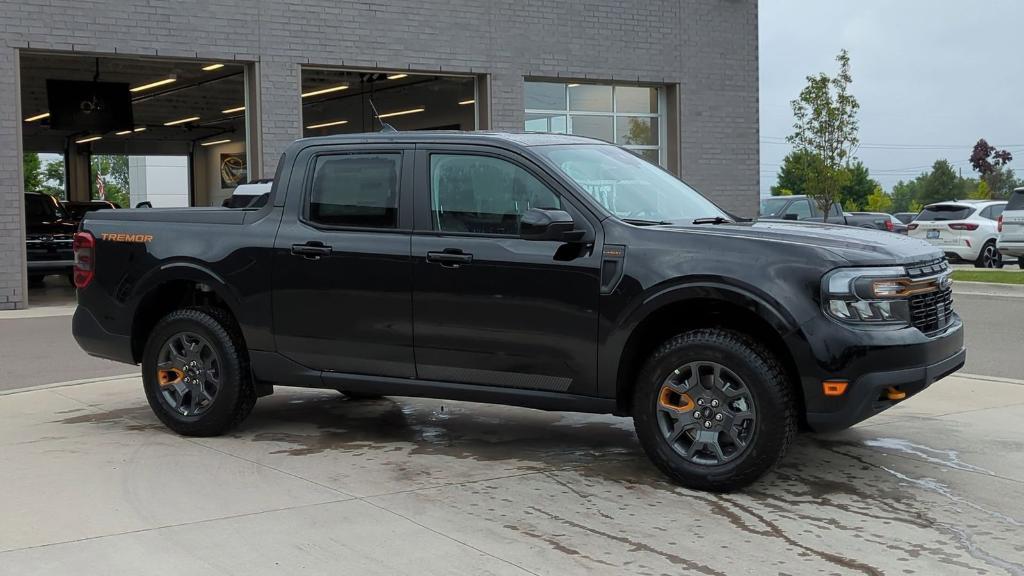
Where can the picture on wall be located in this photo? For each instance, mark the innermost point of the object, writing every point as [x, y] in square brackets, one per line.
[233, 170]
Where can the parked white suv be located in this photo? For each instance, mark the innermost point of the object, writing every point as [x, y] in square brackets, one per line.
[1011, 228]
[963, 229]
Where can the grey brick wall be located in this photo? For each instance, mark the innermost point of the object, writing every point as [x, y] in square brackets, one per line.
[707, 47]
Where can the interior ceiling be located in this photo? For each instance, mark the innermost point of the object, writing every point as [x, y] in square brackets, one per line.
[438, 95]
[195, 92]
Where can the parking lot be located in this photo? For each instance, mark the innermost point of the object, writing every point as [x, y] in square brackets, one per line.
[316, 483]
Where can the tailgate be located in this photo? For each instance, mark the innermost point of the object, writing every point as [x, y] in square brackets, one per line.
[936, 233]
[1013, 226]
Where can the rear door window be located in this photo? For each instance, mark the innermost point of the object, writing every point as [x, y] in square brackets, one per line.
[355, 190]
[942, 212]
[802, 209]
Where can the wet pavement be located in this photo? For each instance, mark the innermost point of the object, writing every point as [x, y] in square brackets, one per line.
[316, 483]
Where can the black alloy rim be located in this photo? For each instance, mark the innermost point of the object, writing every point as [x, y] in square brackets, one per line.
[188, 373]
[706, 413]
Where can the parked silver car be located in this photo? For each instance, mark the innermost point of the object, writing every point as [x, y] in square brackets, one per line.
[1011, 228]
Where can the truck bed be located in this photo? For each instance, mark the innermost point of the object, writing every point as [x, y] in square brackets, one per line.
[214, 215]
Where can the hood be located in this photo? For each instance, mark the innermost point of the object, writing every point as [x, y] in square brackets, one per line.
[857, 245]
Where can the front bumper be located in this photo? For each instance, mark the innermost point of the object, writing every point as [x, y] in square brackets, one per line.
[871, 361]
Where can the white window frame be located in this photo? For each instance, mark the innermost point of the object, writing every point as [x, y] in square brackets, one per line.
[614, 114]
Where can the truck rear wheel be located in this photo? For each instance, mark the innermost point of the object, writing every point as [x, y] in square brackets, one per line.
[713, 409]
[195, 372]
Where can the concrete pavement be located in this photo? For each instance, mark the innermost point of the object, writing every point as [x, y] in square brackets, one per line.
[318, 484]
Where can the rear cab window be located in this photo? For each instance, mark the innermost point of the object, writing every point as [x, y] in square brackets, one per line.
[943, 212]
[1016, 200]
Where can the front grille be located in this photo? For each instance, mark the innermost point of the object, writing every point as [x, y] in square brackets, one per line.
[929, 268]
[931, 313]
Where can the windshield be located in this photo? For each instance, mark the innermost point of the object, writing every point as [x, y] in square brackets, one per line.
[628, 186]
[772, 206]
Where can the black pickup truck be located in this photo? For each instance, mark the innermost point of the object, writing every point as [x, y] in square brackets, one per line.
[539, 270]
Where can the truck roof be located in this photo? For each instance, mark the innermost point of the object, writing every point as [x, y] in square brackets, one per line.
[526, 139]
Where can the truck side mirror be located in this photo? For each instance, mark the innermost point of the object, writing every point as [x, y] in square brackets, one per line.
[790, 216]
[556, 225]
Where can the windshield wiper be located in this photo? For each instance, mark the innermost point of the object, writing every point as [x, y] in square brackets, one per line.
[642, 222]
[715, 220]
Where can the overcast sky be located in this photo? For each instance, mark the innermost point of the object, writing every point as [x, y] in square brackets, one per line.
[932, 76]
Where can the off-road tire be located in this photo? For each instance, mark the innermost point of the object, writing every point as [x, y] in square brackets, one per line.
[235, 397]
[773, 395]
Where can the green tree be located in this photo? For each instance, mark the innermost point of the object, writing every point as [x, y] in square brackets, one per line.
[53, 179]
[794, 172]
[904, 194]
[1002, 181]
[782, 192]
[113, 170]
[33, 172]
[982, 192]
[825, 124]
[879, 201]
[860, 185]
[940, 185]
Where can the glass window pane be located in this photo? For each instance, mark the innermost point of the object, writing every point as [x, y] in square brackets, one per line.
[546, 123]
[356, 190]
[590, 98]
[483, 195]
[593, 126]
[636, 99]
[648, 154]
[545, 96]
[637, 131]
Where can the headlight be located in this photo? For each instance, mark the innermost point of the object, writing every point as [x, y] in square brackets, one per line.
[871, 296]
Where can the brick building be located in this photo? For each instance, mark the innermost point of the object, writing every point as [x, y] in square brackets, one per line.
[677, 80]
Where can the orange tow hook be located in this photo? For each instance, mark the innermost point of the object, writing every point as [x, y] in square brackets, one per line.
[894, 394]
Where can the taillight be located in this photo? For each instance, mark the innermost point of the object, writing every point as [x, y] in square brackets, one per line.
[999, 224]
[963, 226]
[84, 245]
[911, 226]
[889, 226]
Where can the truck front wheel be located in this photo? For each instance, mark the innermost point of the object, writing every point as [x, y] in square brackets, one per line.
[713, 409]
[196, 374]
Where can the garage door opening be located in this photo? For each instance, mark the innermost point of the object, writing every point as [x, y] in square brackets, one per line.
[115, 131]
[338, 101]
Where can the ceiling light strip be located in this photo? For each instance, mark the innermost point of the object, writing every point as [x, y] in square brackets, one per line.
[326, 124]
[401, 113]
[181, 121]
[325, 91]
[37, 117]
[225, 141]
[153, 84]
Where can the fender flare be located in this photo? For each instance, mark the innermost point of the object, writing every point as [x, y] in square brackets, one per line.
[745, 296]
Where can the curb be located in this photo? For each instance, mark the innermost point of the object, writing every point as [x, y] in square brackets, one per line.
[38, 312]
[988, 289]
[66, 384]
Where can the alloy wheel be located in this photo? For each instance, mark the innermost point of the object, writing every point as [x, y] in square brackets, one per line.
[706, 413]
[189, 373]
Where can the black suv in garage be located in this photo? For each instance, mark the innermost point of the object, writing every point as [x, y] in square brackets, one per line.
[48, 234]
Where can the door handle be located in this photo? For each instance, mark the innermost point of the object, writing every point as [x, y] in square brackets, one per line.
[450, 258]
[312, 250]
